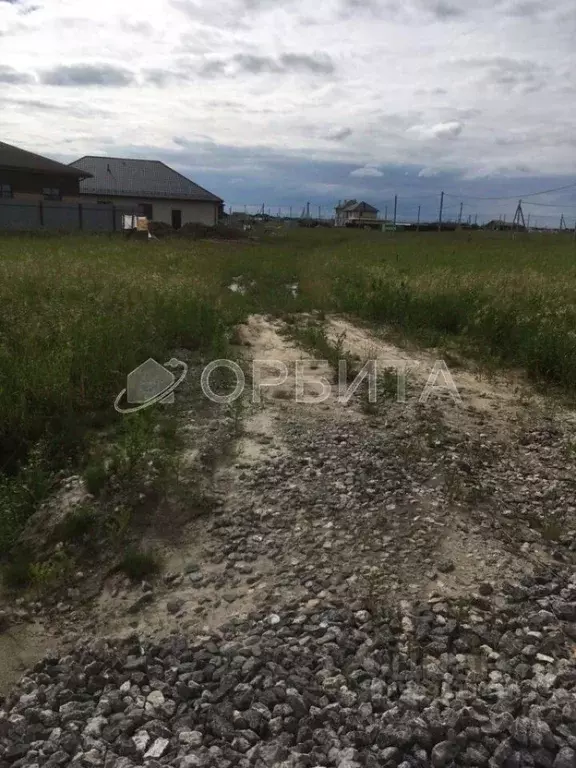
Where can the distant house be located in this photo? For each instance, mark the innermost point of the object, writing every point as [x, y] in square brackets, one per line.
[27, 176]
[352, 213]
[498, 224]
[149, 187]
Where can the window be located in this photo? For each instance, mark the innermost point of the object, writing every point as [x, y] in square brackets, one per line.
[5, 190]
[51, 193]
[145, 209]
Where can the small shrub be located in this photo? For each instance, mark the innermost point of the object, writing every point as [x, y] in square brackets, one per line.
[96, 477]
[77, 525]
[17, 574]
[117, 524]
[138, 564]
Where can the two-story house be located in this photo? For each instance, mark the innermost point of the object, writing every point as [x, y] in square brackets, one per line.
[351, 213]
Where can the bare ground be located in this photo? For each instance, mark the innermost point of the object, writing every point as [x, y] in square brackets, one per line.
[378, 502]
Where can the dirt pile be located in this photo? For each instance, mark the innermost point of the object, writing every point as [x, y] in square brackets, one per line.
[197, 231]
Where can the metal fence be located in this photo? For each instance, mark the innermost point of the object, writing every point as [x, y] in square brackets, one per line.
[52, 214]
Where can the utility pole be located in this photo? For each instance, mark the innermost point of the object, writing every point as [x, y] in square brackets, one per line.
[562, 222]
[575, 231]
[460, 214]
[475, 219]
[290, 211]
[395, 210]
[440, 212]
[518, 219]
[245, 209]
[307, 210]
[528, 223]
[385, 216]
[319, 211]
[418, 221]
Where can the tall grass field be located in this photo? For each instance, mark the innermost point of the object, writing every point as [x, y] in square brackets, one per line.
[77, 314]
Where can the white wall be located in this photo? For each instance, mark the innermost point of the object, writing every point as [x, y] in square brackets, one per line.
[193, 212]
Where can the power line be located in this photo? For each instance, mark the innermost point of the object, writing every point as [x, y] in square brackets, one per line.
[550, 205]
[515, 197]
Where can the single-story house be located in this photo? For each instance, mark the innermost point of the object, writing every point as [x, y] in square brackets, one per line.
[27, 176]
[351, 213]
[150, 187]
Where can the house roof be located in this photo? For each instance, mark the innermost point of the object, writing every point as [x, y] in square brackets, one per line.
[138, 178]
[345, 205]
[362, 208]
[354, 205]
[16, 159]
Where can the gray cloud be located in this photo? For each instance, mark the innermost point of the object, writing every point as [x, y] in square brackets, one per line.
[31, 105]
[524, 8]
[349, 9]
[520, 75]
[138, 27]
[320, 64]
[213, 68]
[158, 77]
[164, 77]
[88, 74]
[443, 10]
[430, 92]
[338, 134]
[202, 13]
[248, 63]
[12, 76]
[237, 14]
[34, 104]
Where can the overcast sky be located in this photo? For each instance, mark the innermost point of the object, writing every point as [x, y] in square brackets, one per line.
[285, 101]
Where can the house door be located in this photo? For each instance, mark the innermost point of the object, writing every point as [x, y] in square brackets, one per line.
[145, 209]
[176, 218]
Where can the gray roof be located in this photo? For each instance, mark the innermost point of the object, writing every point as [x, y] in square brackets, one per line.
[353, 205]
[138, 178]
[344, 206]
[17, 159]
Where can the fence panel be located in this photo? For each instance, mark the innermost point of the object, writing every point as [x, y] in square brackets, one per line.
[61, 216]
[15, 214]
[51, 214]
[98, 218]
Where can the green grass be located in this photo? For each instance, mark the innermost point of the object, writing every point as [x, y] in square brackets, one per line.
[77, 314]
[139, 564]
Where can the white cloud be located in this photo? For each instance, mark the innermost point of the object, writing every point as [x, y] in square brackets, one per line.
[365, 171]
[297, 78]
[450, 130]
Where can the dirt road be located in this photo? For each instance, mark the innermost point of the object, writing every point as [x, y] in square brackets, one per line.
[327, 498]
